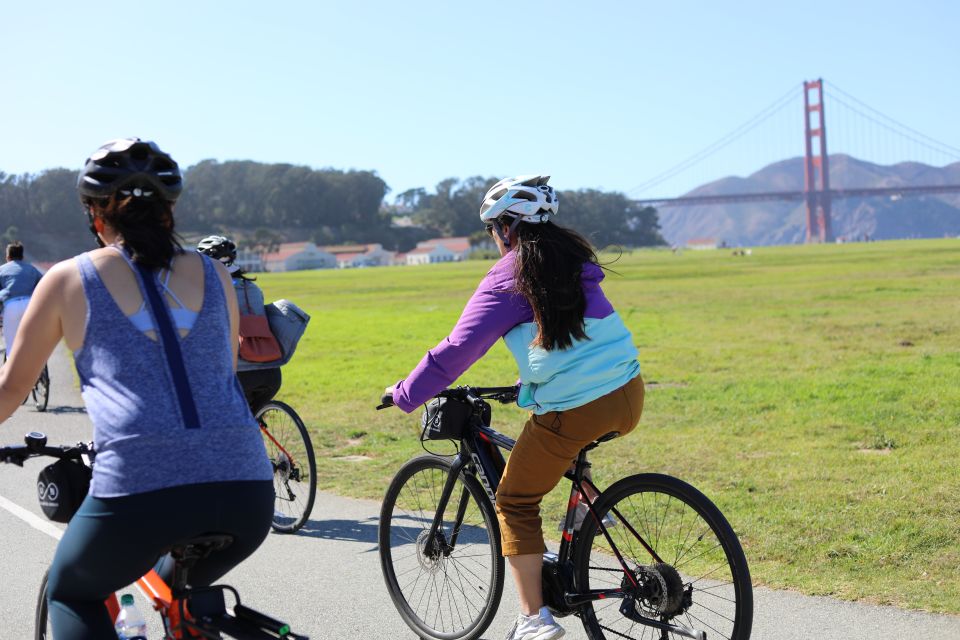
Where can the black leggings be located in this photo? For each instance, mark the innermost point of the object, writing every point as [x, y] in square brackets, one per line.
[259, 386]
[111, 542]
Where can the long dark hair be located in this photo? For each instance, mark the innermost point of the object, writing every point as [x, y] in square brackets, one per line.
[549, 263]
[145, 225]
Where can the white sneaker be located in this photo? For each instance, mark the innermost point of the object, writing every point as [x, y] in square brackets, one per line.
[538, 627]
[581, 513]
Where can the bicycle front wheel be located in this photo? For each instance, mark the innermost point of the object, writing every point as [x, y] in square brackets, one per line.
[698, 579]
[294, 465]
[448, 588]
[41, 390]
[41, 622]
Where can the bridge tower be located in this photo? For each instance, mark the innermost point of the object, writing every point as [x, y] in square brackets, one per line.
[816, 167]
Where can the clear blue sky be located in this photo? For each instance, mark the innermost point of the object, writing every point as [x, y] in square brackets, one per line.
[602, 95]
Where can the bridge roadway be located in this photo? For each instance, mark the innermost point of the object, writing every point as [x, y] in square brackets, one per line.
[326, 580]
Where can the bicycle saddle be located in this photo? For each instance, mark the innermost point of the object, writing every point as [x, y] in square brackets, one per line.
[604, 438]
[200, 546]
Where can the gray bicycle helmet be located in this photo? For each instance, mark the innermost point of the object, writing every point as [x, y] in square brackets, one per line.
[219, 248]
[132, 167]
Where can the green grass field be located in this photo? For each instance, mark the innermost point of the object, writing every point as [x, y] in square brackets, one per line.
[811, 392]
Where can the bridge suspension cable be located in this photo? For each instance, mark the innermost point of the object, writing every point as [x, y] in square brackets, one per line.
[787, 99]
[838, 95]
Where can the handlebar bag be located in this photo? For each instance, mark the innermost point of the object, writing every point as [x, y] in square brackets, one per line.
[445, 419]
[61, 488]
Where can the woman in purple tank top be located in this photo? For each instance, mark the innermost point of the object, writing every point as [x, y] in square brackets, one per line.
[154, 339]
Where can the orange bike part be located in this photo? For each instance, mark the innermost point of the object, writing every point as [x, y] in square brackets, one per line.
[263, 428]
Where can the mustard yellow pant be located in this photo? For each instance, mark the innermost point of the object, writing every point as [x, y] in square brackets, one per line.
[545, 449]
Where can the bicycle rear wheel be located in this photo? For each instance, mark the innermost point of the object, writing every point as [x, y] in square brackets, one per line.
[702, 582]
[450, 590]
[41, 390]
[41, 627]
[294, 465]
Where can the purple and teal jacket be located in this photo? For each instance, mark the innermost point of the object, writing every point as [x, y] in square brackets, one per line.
[554, 380]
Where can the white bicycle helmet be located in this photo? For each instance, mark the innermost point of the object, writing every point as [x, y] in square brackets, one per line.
[526, 198]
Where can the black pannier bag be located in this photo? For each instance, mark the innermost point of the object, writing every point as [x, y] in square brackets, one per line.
[61, 488]
[445, 419]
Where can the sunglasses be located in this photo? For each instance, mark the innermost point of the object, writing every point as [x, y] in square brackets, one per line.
[488, 228]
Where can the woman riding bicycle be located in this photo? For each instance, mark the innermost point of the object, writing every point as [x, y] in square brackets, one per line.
[153, 333]
[579, 373]
[260, 381]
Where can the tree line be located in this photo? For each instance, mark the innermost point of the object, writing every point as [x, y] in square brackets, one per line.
[264, 204]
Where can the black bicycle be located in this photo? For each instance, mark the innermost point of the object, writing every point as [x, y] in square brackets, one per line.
[41, 390]
[40, 393]
[653, 558]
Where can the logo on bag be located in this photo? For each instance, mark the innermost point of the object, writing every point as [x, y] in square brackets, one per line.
[49, 494]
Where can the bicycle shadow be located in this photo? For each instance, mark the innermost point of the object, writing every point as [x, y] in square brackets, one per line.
[367, 531]
[343, 530]
[66, 410]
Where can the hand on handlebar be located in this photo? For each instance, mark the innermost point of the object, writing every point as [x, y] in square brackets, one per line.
[386, 400]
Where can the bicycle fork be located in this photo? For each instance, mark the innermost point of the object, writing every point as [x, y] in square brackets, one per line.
[435, 544]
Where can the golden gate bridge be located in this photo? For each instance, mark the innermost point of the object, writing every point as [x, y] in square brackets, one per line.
[817, 192]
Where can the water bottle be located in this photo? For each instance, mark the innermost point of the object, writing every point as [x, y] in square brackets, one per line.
[130, 622]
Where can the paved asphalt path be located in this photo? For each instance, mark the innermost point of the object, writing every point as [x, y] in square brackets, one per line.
[326, 580]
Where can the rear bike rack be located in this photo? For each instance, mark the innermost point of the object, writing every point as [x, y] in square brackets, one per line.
[206, 614]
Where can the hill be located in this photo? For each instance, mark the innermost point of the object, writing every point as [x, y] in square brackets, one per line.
[766, 223]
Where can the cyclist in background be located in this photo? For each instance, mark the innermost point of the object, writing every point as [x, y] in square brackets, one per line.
[18, 279]
[579, 373]
[154, 337]
[260, 381]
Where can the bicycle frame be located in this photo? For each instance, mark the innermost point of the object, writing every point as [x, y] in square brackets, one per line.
[480, 453]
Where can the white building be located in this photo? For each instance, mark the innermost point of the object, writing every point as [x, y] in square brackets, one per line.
[298, 256]
[459, 247]
[705, 243]
[360, 255]
[430, 255]
[249, 261]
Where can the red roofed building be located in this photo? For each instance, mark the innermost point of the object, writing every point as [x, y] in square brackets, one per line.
[459, 246]
[430, 255]
[360, 255]
[298, 256]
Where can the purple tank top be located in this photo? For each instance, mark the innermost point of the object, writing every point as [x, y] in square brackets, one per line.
[142, 441]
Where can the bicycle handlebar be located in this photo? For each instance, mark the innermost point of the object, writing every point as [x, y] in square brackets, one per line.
[36, 447]
[503, 395]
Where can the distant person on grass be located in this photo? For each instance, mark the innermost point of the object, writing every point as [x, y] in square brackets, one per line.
[578, 367]
[18, 279]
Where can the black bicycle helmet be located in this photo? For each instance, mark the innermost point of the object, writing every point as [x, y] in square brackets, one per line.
[219, 248]
[130, 166]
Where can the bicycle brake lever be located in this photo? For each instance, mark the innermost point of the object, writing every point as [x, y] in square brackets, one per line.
[386, 401]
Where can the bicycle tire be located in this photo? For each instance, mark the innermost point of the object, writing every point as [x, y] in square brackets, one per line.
[403, 520]
[41, 630]
[41, 390]
[294, 464]
[666, 512]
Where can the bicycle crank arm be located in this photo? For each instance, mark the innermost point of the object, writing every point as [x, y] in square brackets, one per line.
[629, 611]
